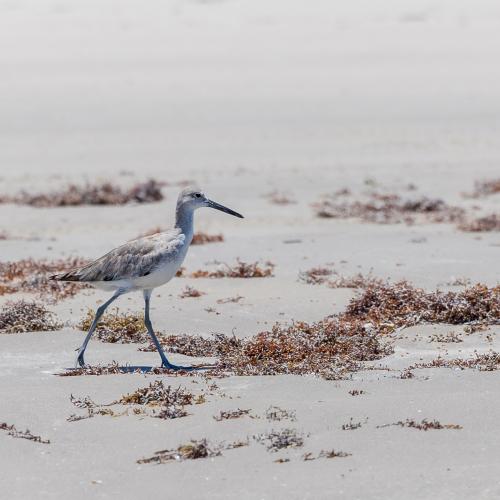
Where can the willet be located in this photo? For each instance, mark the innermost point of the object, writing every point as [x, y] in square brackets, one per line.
[144, 264]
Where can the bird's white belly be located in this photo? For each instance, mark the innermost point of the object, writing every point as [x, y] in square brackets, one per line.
[158, 277]
[163, 274]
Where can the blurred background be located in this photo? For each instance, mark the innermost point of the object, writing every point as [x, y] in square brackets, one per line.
[102, 86]
[257, 102]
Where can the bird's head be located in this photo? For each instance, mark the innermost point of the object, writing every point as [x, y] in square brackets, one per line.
[192, 198]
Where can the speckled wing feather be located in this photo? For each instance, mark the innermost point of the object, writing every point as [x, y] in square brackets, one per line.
[134, 259]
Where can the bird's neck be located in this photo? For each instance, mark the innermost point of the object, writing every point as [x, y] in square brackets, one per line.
[184, 221]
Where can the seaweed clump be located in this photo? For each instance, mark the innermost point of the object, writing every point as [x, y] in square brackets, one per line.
[157, 394]
[190, 451]
[389, 209]
[239, 270]
[201, 238]
[90, 194]
[329, 348]
[485, 188]
[23, 316]
[278, 440]
[401, 304]
[117, 327]
[172, 401]
[191, 345]
[487, 223]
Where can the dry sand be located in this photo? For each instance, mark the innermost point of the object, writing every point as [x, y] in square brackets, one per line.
[246, 98]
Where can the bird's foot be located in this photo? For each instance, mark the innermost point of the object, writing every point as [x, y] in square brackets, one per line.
[80, 361]
[169, 366]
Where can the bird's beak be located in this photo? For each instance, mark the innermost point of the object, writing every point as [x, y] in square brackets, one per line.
[222, 208]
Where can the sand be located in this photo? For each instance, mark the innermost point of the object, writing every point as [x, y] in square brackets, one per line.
[243, 99]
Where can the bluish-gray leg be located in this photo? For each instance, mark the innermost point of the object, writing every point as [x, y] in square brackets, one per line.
[99, 312]
[164, 361]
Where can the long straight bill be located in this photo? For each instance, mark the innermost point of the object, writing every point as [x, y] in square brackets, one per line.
[222, 208]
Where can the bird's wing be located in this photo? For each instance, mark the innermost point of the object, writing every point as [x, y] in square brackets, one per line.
[133, 259]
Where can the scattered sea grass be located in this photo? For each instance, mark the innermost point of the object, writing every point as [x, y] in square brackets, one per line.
[228, 300]
[277, 414]
[231, 415]
[115, 369]
[449, 338]
[325, 454]
[12, 431]
[23, 316]
[189, 291]
[111, 369]
[155, 400]
[424, 425]
[323, 275]
[486, 362]
[460, 281]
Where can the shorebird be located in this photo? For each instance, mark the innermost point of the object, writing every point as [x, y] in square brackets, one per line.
[144, 264]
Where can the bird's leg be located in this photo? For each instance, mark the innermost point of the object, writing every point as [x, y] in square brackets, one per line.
[164, 361]
[99, 312]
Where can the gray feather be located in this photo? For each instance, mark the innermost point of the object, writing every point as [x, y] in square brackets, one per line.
[134, 259]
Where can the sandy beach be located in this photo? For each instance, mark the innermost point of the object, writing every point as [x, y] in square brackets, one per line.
[285, 112]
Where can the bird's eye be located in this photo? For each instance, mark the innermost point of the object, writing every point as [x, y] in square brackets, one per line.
[197, 195]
